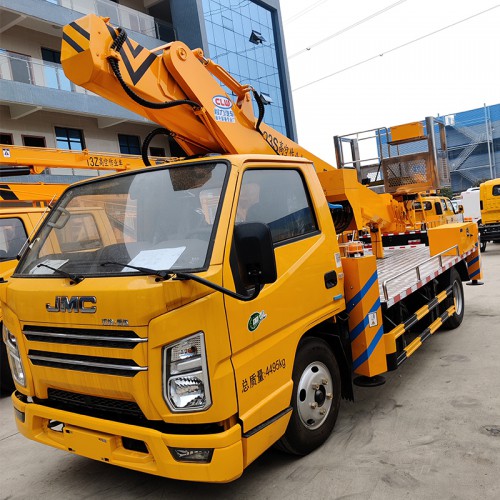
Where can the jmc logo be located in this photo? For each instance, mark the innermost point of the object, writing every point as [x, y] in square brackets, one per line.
[73, 304]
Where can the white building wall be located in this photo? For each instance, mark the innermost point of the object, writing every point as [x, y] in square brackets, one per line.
[43, 123]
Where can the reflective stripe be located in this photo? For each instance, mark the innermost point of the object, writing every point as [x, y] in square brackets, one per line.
[356, 299]
[474, 273]
[363, 324]
[361, 359]
[473, 261]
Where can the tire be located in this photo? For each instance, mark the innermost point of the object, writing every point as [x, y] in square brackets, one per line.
[6, 382]
[457, 298]
[315, 404]
[482, 246]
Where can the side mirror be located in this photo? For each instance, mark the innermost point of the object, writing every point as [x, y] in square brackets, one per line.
[255, 253]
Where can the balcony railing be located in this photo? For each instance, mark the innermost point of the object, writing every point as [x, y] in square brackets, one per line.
[24, 69]
[125, 17]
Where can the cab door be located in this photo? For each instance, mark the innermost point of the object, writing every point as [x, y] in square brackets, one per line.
[309, 288]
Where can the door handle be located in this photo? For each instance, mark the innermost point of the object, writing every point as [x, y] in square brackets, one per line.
[330, 279]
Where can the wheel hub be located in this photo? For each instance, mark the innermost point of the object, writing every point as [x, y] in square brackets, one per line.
[314, 395]
[320, 396]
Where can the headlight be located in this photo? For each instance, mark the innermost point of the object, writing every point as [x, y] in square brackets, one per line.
[186, 385]
[16, 365]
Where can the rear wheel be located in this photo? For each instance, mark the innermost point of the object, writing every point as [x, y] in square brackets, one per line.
[456, 298]
[483, 246]
[315, 398]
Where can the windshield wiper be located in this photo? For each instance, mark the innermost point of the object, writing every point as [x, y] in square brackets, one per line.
[167, 274]
[161, 275]
[73, 277]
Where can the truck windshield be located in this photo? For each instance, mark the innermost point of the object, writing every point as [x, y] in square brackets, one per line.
[163, 218]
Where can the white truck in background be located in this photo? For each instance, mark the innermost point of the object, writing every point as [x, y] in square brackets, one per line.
[470, 202]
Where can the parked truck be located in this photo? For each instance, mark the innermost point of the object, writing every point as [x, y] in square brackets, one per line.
[21, 209]
[23, 204]
[489, 225]
[471, 205]
[226, 318]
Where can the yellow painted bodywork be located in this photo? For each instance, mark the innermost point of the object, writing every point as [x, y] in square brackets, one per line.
[490, 202]
[408, 131]
[365, 315]
[102, 440]
[38, 159]
[453, 239]
[427, 215]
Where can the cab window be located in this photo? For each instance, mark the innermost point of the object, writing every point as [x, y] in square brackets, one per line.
[279, 199]
[12, 238]
[496, 190]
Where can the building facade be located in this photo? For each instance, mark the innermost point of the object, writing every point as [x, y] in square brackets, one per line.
[473, 141]
[40, 107]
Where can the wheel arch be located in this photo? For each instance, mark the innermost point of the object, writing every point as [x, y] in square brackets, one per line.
[336, 335]
[461, 268]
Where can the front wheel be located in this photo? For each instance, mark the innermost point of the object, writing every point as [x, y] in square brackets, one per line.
[455, 320]
[315, 398]
[482, 245]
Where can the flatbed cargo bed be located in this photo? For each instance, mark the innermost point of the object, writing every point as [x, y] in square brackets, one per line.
[403, 271]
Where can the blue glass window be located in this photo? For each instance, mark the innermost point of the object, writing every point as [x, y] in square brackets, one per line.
[129, 144]
[69, 138]
[229, 25]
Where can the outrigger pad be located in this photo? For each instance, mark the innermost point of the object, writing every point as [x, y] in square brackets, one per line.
[363, 381]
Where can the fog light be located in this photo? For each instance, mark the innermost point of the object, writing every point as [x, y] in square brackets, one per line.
[16, 365]
[198, 455]
[20, 415]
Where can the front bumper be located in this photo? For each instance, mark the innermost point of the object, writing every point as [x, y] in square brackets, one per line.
[490, 232]
[101, 440]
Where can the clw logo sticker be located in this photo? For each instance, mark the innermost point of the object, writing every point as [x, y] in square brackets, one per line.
[255, 320]
[222, 102]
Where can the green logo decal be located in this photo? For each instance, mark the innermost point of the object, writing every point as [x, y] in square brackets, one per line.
[255, 320]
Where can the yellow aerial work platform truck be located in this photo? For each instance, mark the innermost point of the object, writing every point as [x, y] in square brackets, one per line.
[226, 318]
[23, 204]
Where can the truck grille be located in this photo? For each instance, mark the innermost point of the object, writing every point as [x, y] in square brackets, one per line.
[79, 336]
[92, 364]
[118, 410]
[97, 404]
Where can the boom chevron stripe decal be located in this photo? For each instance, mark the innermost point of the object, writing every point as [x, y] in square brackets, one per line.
[72, 43]
[112, 31]
[135, 52]
[80, 30]
[6, 192]
[135, 75]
